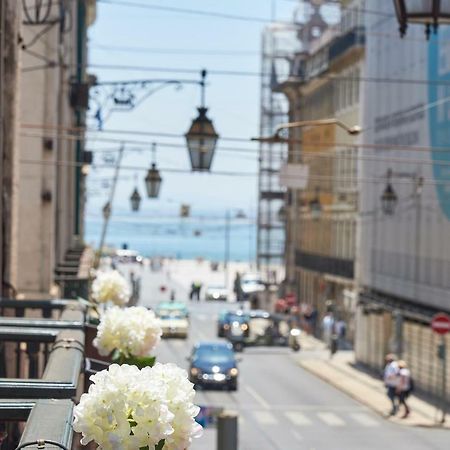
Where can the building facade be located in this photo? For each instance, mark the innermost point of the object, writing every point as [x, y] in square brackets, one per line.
[322, 218]
[405, 200]
[10, 18]
[50, 103]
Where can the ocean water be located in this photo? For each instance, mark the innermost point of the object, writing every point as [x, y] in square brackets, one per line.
[186, 238]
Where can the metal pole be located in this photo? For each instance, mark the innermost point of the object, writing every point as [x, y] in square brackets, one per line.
[227, 431]
[110, 201]
[227, 247]
[79, 117]
[444, 377]
[2, 87]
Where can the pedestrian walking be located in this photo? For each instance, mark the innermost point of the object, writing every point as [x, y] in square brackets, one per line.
[328, 327]
[391, 378]
[404, 386]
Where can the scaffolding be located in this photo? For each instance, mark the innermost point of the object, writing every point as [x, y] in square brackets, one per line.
[280, 44]
[277, 49]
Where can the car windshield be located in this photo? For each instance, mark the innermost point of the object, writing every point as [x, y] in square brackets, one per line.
[171, 314]
[252, 281]
[237, 318]
[214, 354]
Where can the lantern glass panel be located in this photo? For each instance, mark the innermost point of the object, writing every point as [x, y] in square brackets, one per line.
[389, 200]
[153, 182]
[135, 200]
[419, 7]
[201, 141]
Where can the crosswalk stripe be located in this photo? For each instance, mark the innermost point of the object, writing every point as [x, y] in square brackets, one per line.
[265, 417]
[297, 418]
[331, 419]
[364, 420]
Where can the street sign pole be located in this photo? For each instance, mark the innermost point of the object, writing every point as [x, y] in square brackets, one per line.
[440, 324]
[444, 377]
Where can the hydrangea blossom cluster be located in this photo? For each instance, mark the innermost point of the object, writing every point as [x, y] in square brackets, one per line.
[133, 331]
[112, 287]
[127, 408]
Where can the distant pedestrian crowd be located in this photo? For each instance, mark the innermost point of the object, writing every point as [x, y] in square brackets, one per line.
[399, 384]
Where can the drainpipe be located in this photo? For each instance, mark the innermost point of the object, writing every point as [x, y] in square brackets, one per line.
[79, 115]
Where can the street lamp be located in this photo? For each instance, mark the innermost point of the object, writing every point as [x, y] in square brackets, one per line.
[201, 138]
[276, 138]
[315, 206]
[430, 13]
[135, 200]
[153, 179]
[106, 210]
[389, 200]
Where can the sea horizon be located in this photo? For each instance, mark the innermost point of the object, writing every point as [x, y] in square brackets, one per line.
[174, 237]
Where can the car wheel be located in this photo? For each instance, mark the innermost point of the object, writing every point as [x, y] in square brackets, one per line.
[233, 387]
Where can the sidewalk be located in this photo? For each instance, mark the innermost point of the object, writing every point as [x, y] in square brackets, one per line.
[342, 373]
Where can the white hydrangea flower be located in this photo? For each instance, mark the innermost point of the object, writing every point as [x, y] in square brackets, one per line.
[127, 408]
[112, 287]
[179, 396]
[133, 331]
[121, 401]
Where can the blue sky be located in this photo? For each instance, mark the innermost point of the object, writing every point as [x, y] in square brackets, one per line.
[233, 100]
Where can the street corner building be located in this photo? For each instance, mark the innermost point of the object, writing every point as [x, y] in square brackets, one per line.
[322, 214]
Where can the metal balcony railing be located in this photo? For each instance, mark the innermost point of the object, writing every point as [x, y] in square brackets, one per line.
[41, 359]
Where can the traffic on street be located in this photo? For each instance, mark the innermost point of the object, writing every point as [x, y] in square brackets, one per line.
[279, 404]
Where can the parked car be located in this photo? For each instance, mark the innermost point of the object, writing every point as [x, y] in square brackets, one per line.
[128, 256]
[251, 284]
[214, 364]
[174, 318]
[216, 293]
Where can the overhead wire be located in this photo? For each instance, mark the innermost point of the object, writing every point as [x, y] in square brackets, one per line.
[376, 180]
[57, 129]
[198, 12]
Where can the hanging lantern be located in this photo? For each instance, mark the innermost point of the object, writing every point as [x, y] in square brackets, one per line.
[201, 142]
[135, 200]
[389, 200]
[153, 182]
[153, 179]
[106, 210]
[315, 208]
[282, 213]
[201, 138]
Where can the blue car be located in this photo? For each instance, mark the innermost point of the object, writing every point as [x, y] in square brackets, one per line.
[226, 318]
[214, 364]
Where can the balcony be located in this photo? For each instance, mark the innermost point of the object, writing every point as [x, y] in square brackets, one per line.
[352, 39]
[42, 358]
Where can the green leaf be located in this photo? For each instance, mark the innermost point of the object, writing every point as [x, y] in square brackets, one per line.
[118, 357]
[160, 445]
[140, 361]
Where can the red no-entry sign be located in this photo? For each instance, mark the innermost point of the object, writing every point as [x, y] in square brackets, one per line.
[441, 323]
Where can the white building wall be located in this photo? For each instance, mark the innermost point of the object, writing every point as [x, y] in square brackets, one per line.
[406, 254]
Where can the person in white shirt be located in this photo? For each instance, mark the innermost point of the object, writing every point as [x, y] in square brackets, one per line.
[391, 380]
[404, 386]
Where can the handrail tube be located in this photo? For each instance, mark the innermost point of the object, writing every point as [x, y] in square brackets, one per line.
[12, 334]
[36, 304]
[62, 371]
[16, 388]
[49, 420]
[15, 410]
[41, 323]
